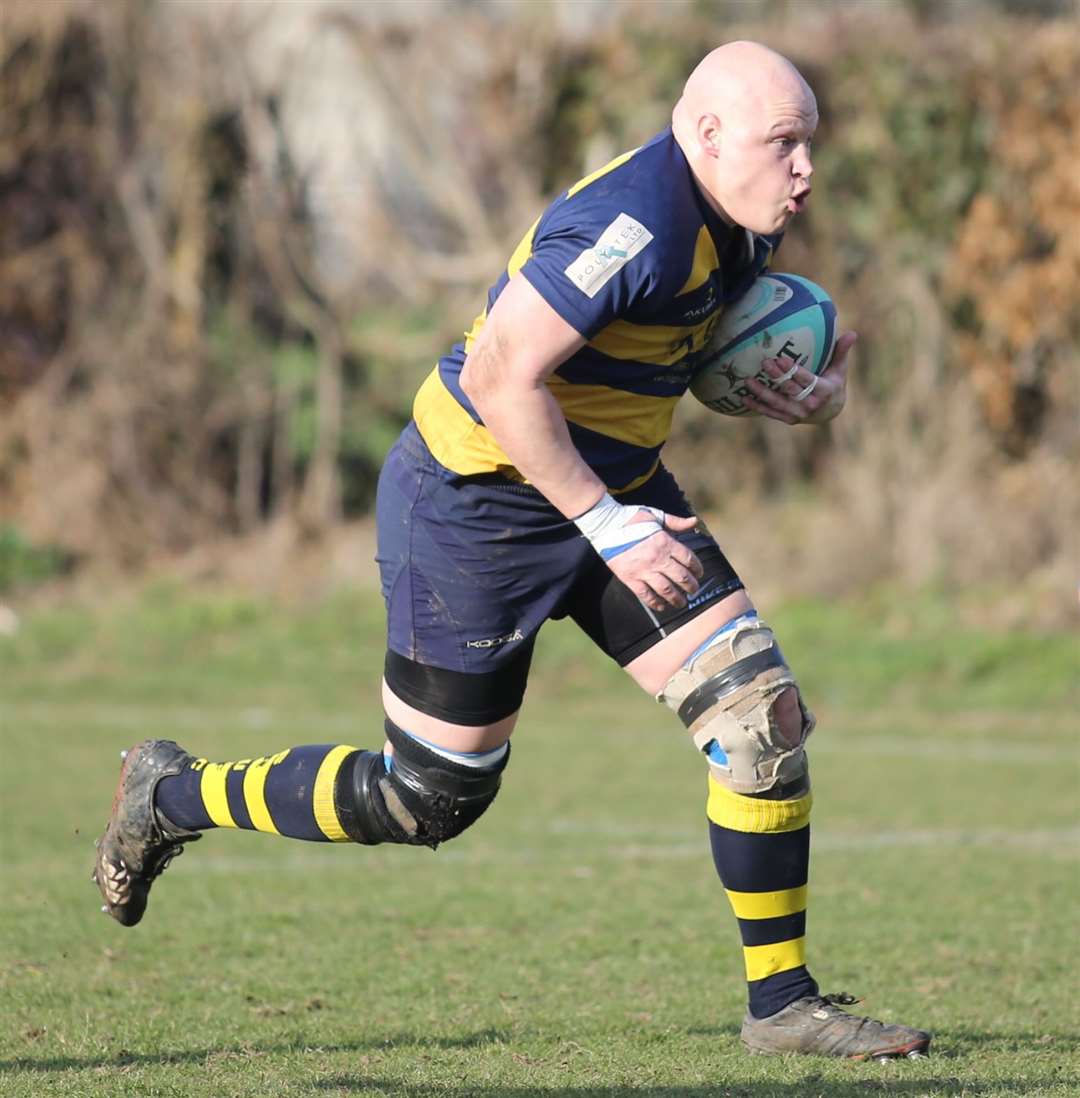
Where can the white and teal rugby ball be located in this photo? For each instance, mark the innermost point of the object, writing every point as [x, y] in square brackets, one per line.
[781, 316]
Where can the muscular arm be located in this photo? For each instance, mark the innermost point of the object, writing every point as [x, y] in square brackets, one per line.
[521, 344]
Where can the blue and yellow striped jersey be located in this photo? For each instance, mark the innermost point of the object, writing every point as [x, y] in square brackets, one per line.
[636, 261]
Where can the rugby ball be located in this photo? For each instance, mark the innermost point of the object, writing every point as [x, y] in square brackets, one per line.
[781, 316]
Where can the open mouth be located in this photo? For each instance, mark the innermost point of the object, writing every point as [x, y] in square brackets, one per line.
[797, 202]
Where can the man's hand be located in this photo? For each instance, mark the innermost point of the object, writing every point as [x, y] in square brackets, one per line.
[635, 544]
[661, 571]
[804, 398]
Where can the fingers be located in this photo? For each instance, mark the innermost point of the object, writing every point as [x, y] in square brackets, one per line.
[779, 400]
[681, 563]
[647, 595]
[839, 361]
[672, 583]
[791, 383]
[659, 591]
[677, 522]
[769, 411]
[795, 395]
[669, 522]
[648, 514]
[798, 396]
[688, 559]
[661, 572]
[662, 599]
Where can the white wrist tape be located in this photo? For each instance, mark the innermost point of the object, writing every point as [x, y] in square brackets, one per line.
[610, 529]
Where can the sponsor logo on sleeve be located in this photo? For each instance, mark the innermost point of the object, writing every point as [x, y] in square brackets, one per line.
[618, 244]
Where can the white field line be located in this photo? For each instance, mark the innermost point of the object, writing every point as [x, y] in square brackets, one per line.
[825, 841]
[140, 718]
[312, 727]
[970, 749]
[1044, 843]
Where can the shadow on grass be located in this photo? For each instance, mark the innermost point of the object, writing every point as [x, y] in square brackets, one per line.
[805, 1088]
[958, 1043]
[123, 1058]
[810, 1087]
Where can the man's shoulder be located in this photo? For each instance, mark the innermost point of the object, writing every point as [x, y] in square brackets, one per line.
[640, 207]
[648, 185]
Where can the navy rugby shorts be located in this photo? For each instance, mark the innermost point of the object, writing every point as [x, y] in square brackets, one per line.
[471, 567]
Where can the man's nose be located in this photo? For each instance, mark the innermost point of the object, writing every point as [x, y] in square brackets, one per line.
[801, 164]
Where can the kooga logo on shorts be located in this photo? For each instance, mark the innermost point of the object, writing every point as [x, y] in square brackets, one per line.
[490, 642]
[618, 244]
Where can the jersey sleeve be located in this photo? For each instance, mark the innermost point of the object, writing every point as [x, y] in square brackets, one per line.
[592, 266]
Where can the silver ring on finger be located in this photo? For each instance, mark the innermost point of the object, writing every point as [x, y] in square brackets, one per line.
[803, 394]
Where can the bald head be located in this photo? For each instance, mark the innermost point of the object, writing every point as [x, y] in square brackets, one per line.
[743, 110]
[737, 79]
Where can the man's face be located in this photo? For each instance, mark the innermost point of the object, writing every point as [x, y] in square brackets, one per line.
[759, 156]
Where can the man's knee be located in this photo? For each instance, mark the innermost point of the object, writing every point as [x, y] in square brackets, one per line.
[416, 797]
[789, 716]
[742, 707]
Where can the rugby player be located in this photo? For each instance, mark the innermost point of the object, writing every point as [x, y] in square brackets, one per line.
[529, 486]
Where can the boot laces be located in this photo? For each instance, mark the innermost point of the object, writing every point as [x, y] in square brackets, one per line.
[832, 1003]
[161, 863]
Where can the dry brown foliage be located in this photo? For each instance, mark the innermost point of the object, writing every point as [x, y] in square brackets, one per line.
[1015, 266]
[209, 277]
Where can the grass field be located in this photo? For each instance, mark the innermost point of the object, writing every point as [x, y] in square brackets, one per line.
[576, 941]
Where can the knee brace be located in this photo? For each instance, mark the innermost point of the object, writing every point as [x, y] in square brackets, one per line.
[726, 695]
[420, 798]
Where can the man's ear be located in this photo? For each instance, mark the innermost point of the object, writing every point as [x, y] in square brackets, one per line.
[708, 134]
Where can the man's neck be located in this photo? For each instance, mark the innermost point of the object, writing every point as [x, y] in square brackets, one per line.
[690, 156]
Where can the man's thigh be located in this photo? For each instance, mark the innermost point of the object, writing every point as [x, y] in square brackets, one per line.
[470, 568]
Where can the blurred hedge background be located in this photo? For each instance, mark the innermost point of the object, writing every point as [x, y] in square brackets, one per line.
[235, 236]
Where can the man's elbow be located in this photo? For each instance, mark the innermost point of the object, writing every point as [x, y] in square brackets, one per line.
[471, 383]
[481, 378]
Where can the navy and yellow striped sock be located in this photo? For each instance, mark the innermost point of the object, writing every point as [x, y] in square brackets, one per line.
[761, 849]
[290, 793]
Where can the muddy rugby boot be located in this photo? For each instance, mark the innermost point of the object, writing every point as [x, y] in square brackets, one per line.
[816, 1025]
[138, 842]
